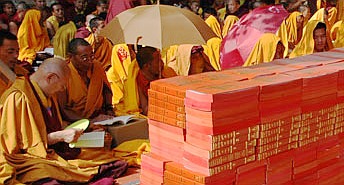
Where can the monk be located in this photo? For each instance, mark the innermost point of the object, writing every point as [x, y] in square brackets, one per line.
[268, 48]
[32, 36]
[32, 147]
[151, 67]
[339, 37]
[88, 92]
[65, 34]
[313, 40]
[190, 60]
[10, 66]
[209, 16]
[56, 20]
[228, 24]
[101, 46]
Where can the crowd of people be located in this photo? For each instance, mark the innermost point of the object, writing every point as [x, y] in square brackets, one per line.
[90, 77]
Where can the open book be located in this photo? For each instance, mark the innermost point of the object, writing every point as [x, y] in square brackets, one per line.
[89, 140]
[118, 119]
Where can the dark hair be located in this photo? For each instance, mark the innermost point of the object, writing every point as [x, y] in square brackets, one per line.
[320, 25]
[6, 3]
[210, 10]
[6, 35]
[145, 55]
[100, 2]
[54, 4]
[103, 15]
[94, 21]
[80, 18]
[268, 2]
[74, 43]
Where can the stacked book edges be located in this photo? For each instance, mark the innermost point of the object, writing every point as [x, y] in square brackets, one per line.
[276, 123]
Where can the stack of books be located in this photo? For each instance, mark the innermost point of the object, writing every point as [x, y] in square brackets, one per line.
[280, 113]
[221, 127]
[152, 169]
[319, 103]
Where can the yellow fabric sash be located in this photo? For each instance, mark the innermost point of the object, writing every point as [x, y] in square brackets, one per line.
[264, 50]
[53, 20]
[181, 64]
[31, 36]
[340, 8]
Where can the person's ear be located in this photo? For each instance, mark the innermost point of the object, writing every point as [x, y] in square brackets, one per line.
[51, 78]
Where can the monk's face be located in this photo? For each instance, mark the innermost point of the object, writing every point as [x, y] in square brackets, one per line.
[233, 6]
[9, 52]
[40, 4]
[197, 63]
[58, 11]
[102, 8]
[319, 36]
[83, 58]
[80, 5]
[156, 66]
[9, 9]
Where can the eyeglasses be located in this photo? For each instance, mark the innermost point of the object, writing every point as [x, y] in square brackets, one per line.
[86, 58]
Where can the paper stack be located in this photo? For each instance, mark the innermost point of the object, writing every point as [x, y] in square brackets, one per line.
[224, 119]
[280, 113]
[319, 103]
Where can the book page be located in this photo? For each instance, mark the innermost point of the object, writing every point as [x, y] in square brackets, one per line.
[89, 139]
[121, 119]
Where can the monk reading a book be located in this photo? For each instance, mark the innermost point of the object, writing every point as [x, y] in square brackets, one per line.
[34, 148]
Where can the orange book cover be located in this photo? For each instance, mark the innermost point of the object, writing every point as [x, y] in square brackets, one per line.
[225, 168]
[174, 167]
[170, 176]
[166, 105]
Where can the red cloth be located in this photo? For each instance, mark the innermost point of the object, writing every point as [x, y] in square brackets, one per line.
[82, 32]
[116, 7]
[142, 83]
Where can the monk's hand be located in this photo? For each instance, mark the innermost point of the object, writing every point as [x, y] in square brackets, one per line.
[71, 135]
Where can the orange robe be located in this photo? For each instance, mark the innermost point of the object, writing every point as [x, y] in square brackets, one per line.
[81, 100]
[32, 37]
[102, 50]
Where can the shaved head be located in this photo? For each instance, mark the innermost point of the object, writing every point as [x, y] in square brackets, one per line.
[52, 76]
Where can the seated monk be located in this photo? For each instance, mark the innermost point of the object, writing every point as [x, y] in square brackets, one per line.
[88, 92]
[34, 149]
[10, 66]
[314, 39]
[101, 46]
[268, 48]
[190, 60]
[32, 35]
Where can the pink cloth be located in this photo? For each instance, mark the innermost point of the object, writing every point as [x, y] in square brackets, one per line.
[82, 32]
[116, 7]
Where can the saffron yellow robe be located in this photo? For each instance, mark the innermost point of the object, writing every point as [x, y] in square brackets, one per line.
[122, 78]
[212, 22]
[32, 37]
[102, 50]
[7, 76]
[306, 44]
[181, 64]
[228, 24]
[288, 32]
[53, 20]
[334, 30]
[340, 8]
[62, 37]
[24, 155]
[212, 50]
[81, 100]
[339, 42]
[264, 50]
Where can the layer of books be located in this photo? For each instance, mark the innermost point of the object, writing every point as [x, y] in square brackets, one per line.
[276, 123]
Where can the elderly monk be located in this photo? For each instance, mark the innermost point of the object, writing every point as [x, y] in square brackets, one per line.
[268, 48]
[34, 148]
[88, 92]
[9, 64]
[32, 36]
[314, 39]
[101, 46]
